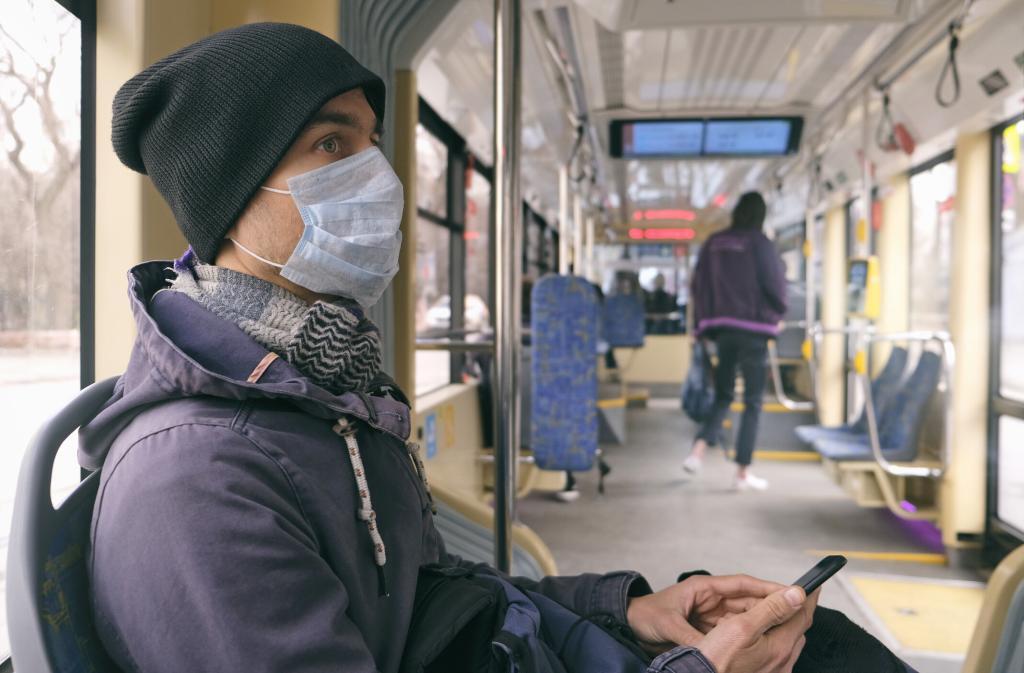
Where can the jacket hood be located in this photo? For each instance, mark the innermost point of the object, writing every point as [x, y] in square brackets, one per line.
[183, 350]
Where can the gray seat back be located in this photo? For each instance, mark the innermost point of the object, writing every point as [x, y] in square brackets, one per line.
[49, 612]
[1010, 655]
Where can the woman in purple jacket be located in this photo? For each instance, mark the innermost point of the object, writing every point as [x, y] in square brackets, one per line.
[739, 296]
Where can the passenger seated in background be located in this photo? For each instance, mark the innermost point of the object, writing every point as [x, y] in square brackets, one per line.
[660, 303]
[260, 508]
[739, 297]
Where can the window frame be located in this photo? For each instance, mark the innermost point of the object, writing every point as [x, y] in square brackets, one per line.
[85, 12]
[1001, 537]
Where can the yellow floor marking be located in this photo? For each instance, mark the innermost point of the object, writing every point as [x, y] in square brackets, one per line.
[924, 616]
[612, 403]
[800, 456]
[904, 557]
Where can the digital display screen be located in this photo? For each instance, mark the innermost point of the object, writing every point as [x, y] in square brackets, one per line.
[678, 138]
[714, 137]
[763, 136]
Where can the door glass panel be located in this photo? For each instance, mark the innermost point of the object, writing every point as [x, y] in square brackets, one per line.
[477, 235]
[1011, 214]
[1010, 500]
[431, 173]
[932, 210]
[433, 303]
[40, 129]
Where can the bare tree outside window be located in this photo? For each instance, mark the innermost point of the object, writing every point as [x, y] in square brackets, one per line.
[40, 146]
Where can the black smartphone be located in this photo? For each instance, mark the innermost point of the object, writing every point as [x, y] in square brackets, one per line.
[816, 576]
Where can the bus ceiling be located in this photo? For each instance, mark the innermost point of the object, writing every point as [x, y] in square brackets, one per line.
[591, 62]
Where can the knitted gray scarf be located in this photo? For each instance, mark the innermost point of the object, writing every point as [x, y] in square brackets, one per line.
[332, 343]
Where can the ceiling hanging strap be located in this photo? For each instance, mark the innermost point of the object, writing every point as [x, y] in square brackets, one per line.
[885, 133]
[950, 70]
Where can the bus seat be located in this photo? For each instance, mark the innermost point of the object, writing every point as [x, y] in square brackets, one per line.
[563, 400]
[883, 387]
[467, 527]
[623, 321]
[49, 612]
[997, 645]
[900, 422]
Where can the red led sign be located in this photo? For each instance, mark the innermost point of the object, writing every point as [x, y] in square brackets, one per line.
[683, 234]
[664, 214]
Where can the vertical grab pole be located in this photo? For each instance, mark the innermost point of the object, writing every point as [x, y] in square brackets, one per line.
[588, 250]
[867, 180]
[508, 211]
[577, 235]
[564, 230]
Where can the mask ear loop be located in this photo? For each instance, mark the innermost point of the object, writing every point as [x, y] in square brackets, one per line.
[253, 254]
[276, 191]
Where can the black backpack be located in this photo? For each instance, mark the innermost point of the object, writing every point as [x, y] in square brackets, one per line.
[470, 619]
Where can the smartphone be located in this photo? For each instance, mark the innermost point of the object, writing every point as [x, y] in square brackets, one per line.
[816, 576]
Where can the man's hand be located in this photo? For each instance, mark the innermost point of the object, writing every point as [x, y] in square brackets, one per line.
[767, 638]
[740, 623]
[683, 613]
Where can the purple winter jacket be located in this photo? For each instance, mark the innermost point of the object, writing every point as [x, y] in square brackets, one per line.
[739, 283]
[225, 534]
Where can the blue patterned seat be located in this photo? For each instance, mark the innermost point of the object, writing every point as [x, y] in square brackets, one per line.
[899, 430]
[563, 403]
[623, 318]
[883, 388]
[47, 582]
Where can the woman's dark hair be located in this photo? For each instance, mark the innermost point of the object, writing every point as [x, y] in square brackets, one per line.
[749, 212]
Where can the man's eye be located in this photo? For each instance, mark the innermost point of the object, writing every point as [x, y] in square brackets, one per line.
[329, 145]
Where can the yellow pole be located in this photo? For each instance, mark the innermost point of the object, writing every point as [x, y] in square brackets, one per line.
[963, 492]
[832, 358]
[406, 117]
[894, 264]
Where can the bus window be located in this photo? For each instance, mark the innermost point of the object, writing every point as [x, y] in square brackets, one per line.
[39, 240]
[932, 198]
[1011, 264]
[433, 246]
[477, 235]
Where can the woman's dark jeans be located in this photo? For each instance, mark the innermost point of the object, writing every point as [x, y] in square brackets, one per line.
[748, 352]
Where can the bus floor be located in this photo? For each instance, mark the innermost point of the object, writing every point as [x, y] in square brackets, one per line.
[656, 519]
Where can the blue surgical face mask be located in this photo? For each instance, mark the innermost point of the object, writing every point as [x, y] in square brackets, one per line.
[352, 210]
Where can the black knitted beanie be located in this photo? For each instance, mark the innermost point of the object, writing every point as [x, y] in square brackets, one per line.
[209, 123]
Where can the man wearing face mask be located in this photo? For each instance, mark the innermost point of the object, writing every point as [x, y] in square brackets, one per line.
[260, 507]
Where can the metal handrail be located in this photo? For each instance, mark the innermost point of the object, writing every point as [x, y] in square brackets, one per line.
[948, 364]
[455, 346]
[773, 361]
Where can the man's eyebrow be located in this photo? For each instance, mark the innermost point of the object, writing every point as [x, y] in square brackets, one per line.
[326, 117]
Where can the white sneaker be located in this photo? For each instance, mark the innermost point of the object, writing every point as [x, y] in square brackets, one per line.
[567, 495]
[750, 483]
[693, 463]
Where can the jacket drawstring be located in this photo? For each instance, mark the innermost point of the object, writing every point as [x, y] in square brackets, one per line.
[343, 428]
[414, 452]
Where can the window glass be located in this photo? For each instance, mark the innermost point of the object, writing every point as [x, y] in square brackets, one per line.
[433, 302]
[40, 102]
[1010, 487]
[1011, 214]
[932, 197]
[477, 235]
[431, 173]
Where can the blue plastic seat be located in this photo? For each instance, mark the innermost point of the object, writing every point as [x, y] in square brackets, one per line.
[623, 321]
[49, 612]
[883, 388]
[900, 427]
[563, 401]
